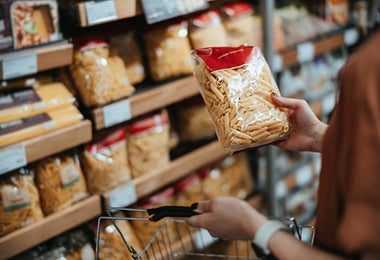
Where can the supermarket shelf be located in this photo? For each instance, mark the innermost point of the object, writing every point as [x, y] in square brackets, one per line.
[171, 172]
[51, 143]
[62, 53]
[307, 51]
[152, 99]
[51, 226]
[124, 9]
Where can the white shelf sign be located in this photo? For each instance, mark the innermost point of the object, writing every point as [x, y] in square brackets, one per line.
[122, 196]
[351, 36]
[99, 12]
[304, 175]
[12, 158]
[305, 52]
[203, 239]
[116, 112]
[277, 65]
[19, 66]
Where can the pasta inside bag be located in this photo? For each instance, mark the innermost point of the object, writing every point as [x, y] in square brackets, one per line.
[236, 85]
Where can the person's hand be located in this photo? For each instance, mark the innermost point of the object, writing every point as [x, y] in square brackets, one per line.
[228, 218]
[307, 130]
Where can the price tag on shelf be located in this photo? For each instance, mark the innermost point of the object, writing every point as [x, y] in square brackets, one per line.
[277, 65]
[122, 196]
[304, 175]
[281, 189]
[117, 112]
[12, 158]
[328, 103]
[351, 36]
[99, 12]
[159, 10]
[203, 239]
[19, 65]
[305, 52]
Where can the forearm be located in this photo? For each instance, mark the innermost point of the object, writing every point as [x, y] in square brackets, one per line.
[285, 246]
[318, 137]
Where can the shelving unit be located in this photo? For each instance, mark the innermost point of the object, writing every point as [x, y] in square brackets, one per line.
[171, 172]
[121, 9]
[29, 236]
[40, 57]
[151, 99]
[51, 143]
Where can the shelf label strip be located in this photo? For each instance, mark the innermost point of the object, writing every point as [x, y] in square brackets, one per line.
[12, 158]
[100, 12]
[117, 112]
[305, 52]
[159, 10]
[19, 65]
[122, 196]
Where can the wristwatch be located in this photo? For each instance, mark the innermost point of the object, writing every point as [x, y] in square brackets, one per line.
[260, 243]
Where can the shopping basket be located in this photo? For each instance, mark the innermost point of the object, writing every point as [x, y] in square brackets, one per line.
[174, 239]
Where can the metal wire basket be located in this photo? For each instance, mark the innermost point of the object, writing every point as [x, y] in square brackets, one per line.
[174, 239]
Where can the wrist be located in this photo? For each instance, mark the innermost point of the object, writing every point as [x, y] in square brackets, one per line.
[318, 137]
[265, 232]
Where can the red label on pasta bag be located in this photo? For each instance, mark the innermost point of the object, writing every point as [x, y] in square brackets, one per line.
[149, 122]
[92, 45]
[186, 182]
[237, 9]
[220, 58]
[105, 141]
[162, 197]
[207, 19]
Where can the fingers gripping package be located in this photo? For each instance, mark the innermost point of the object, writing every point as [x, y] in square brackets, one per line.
[236, 85]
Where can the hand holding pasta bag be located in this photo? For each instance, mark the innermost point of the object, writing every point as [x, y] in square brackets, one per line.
[237, 86]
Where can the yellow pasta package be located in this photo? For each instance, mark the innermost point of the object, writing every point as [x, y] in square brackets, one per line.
[60, 181]
[236, 85]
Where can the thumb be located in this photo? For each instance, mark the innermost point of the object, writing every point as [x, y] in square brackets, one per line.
[291, 103]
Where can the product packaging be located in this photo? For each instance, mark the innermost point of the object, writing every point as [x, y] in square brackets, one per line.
[105, 161]
[28, 23]
[60, 182]
[148, 143]
[239, 23]
[194, 121]
[99, 77]
[126, 46]
[207, 30]
[188, 190]
[168, 50]
[145, 230]
[28, 102]
[19, 201]
[111, 244]
[236, 85]
[22, 129]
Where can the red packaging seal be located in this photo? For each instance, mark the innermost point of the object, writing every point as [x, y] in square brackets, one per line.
[207, 19]
[149, 122]
[108, 140]
[221, 58]
[92, 45]
[158, 198]
[237, 9]
[185, 182]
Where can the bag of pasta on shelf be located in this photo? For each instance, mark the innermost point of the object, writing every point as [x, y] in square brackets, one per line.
[126, 46]
[168, 50]
[207, 30]
[236, 85]
[148, 142]
[19, 201]
[105, 161]
[60, 181]
[99, 77]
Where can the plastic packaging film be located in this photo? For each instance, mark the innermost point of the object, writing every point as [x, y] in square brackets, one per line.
[19, 201]
[100, 77]
[236, 85]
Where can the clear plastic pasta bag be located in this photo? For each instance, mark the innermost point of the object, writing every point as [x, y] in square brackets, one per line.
[236, 85]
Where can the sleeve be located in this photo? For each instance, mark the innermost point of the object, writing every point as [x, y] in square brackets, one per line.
[359, 230]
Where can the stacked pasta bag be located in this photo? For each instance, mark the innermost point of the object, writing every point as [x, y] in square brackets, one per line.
[236, 85]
